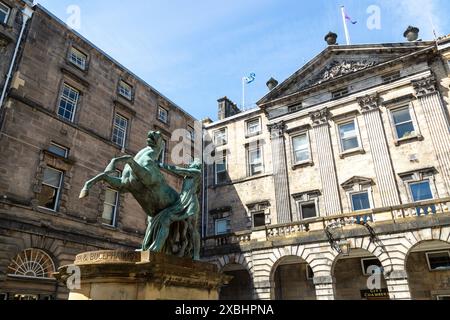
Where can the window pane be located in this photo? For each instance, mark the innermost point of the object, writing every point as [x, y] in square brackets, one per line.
[119, 130]
[301, 156]
[404, 130]
[47, 198]
[308, 210]
[360, 201]
[4, 12]
[259, 220]
[401, 116]
[111, 197]
[221, 226]
[439, 260]
[68, 103]
[60, 151]
[349, 144]
[348, 136]
[421, 191]
[108, 214]
[253, 127]
[52, 178]
[300, 142]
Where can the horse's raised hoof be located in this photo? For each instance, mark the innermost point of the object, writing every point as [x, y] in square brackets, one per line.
[84, 193]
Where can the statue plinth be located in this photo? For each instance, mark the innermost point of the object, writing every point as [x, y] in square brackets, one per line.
[130, 275]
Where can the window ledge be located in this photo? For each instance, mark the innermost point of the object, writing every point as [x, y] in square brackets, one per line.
[401, 141]
[352, 152]
[308, 163]
[248, 135]
[108, 226]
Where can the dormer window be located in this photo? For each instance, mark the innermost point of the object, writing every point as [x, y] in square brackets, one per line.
[4, 13]
[78, 58]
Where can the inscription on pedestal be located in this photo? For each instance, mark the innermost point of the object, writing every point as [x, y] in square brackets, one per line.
[101, 257]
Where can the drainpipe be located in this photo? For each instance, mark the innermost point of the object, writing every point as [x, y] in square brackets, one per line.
[27, 13]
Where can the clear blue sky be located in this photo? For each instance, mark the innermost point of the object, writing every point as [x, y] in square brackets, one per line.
[195, 52]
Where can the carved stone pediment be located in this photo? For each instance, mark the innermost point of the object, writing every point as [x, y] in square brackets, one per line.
[336, 69]
[425, 86]
[356, 181]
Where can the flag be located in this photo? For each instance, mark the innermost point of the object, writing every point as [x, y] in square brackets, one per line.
[250, 78]
[347, 17]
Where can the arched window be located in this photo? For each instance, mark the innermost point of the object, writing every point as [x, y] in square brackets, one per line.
[32, 263]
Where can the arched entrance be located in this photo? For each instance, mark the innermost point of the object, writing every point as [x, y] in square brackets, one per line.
[292, 279]
[240, 287]
[359, 276]
[428, 268]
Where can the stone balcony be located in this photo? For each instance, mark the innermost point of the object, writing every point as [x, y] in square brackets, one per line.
[373, 222]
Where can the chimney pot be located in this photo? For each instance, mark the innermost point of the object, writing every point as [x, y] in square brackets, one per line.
[411, 33]
[271, 84]
[331, 38]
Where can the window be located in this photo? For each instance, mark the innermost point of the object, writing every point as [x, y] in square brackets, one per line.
[391, 77]
[300, 147]
[110, 207]
[125, 90]
[190, 134]
[339, 93]
[360, 201]
[421, 191]
[371, 264]
[254, 127]
[438, 261]
[120, 130]
[4, 13]
[295, 108]
[32, 263]
[259, 219]
[221, 169]
[68, 103]
[255, 161]
[222, 226]
[163, 115]
[78, 58]
[220, 137]
[403, 122]
[307, 210]
[58, 150]
[349, 136]
[162, 157]
[51, 187]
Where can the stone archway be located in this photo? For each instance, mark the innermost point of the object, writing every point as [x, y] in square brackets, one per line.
[240, 287]
[428, 267]
[292, 279]
[359, 276]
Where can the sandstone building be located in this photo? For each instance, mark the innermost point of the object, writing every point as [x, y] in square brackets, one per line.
[343, 166]
[69, 109]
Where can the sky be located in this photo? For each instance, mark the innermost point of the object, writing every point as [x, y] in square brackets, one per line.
[195, 52]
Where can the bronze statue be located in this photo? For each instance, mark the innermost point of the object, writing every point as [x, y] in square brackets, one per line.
[172, 217]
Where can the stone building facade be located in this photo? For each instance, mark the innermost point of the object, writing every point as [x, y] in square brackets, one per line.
[341, 171]
[70, 109]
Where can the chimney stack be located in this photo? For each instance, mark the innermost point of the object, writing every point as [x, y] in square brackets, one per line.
[411, 33]
[331, 38]
[227, 108]
[271, 84]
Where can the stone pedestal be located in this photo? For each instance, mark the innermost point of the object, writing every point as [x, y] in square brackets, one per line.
[129, 275]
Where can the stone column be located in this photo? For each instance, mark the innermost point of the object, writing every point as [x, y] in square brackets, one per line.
[280, 172]
[437, 122]
[325, 287]
[384, 170]
[330, 187]
[398, 286]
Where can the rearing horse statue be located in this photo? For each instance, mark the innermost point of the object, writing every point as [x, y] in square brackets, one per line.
[143, 179]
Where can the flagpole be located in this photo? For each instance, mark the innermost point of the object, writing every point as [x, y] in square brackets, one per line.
[243, 93]
[347, 35]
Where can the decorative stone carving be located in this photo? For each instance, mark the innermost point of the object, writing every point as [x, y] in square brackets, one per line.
[337, 69]
[320, 117]
[369, 102]
[277, 129]
[425, 86]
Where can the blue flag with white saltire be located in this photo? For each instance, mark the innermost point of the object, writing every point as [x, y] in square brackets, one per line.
[250, 78]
